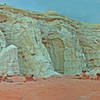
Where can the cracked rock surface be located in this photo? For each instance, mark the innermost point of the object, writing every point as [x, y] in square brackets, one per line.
[49, 42]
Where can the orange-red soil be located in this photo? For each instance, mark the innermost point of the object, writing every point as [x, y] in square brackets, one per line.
[54, 88]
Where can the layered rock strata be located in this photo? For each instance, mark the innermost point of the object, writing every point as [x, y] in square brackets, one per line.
[49, 42]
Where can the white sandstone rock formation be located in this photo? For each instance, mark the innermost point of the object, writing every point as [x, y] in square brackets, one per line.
[49, 42]
[9, 60]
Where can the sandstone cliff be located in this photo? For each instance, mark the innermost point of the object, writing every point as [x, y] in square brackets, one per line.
[49, 42]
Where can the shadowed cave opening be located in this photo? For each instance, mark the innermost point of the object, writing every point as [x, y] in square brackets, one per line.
[55, 48]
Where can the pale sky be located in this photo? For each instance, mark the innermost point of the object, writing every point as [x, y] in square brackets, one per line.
[83, 10]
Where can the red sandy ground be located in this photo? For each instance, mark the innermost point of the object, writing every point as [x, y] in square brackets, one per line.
[54, 88]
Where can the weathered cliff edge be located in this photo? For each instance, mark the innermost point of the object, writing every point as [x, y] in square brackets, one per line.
[46, 43]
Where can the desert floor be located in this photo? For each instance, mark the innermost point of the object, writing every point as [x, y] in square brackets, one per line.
[53, 88]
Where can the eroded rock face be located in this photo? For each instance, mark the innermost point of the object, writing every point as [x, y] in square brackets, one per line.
[49, 42]
[22, 32]
[9, 61]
